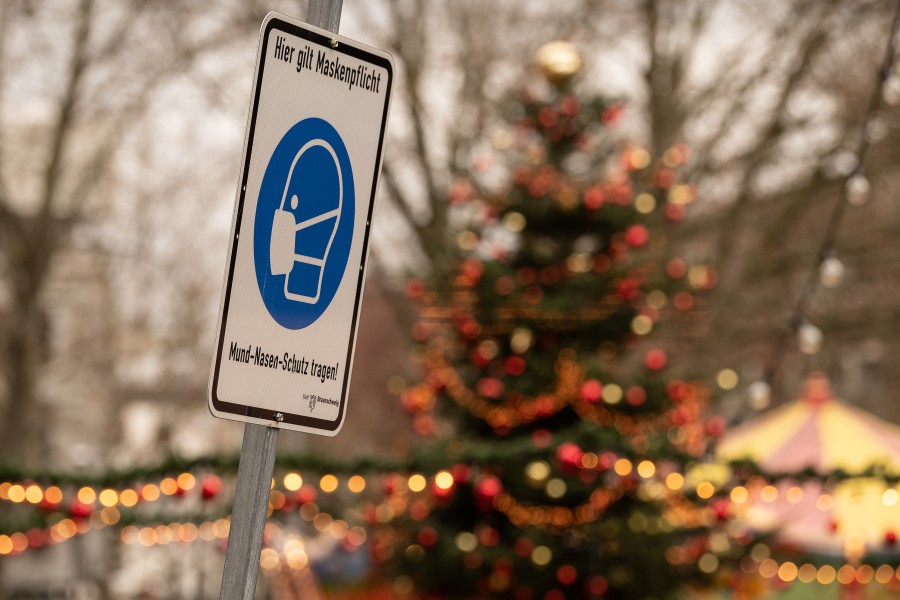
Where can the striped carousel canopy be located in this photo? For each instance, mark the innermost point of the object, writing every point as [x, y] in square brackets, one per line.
[816, 430]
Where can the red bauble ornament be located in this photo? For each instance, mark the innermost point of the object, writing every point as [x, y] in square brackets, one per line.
[566, 574]
[637, 236]
[655, 359]
[489, 387]
[720, 509]
[679, 416]
[486, 489]
[665, 179]
[36, 538]
[472, 269]
[715, 427]
[606, 460]
[80, 510]
[427, 536]
[628, 288]
[210, 487]
[676, 269]
[597, 585]
[547, 117]
[460, 473]
[424, 425]
[370, 514]
[612, 114]
[683, 301]
[593, 198]
[569, 456]
[470, 329]
[514, 365]
[569, 106]
[544, 406]
[541, 438]
[488, 537]
[591, 390]
[636, 396]
[602, 263]
[419, 509]
[460, 192]
[674, 212]
[890, 538]
[307, 493]
[523, 546]
[677, 390]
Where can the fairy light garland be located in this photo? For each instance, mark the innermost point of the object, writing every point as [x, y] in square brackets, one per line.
[845, 574]
[524, 410]
[570, 379]
[108, 507]
[521, 514]
[53, 496]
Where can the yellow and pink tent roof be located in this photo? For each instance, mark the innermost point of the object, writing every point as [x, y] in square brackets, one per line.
[817, 431]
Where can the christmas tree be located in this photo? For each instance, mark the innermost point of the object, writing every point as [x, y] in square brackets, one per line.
[564, 435]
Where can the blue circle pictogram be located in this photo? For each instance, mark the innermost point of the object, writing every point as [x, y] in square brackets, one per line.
[304, 223]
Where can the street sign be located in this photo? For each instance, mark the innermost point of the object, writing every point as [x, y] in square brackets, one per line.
[300, 230]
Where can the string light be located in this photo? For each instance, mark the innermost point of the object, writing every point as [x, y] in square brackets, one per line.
[569, 379]
[727, 379]
[809, 338]
[857, 190]
[104, 506]
[846, 574]
[522, 514]
[831, 271]
[52, 496]
[759, 394]
[551, 516]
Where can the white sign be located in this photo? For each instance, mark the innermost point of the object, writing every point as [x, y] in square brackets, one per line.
[300, 231]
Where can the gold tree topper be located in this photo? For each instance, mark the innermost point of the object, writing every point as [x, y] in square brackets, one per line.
[559, 61]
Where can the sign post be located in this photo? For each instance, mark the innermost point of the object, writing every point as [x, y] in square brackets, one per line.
[300, 232]
[248, 513]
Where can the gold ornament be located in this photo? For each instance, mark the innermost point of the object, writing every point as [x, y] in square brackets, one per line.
[558, 61]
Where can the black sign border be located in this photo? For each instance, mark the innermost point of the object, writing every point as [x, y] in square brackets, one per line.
[270, 414]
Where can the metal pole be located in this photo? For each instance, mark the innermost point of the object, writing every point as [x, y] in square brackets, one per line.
[254, 479]
[325, 14]
[248, 514]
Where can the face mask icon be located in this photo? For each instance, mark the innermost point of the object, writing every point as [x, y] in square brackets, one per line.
[303, 230]
[304, 226]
